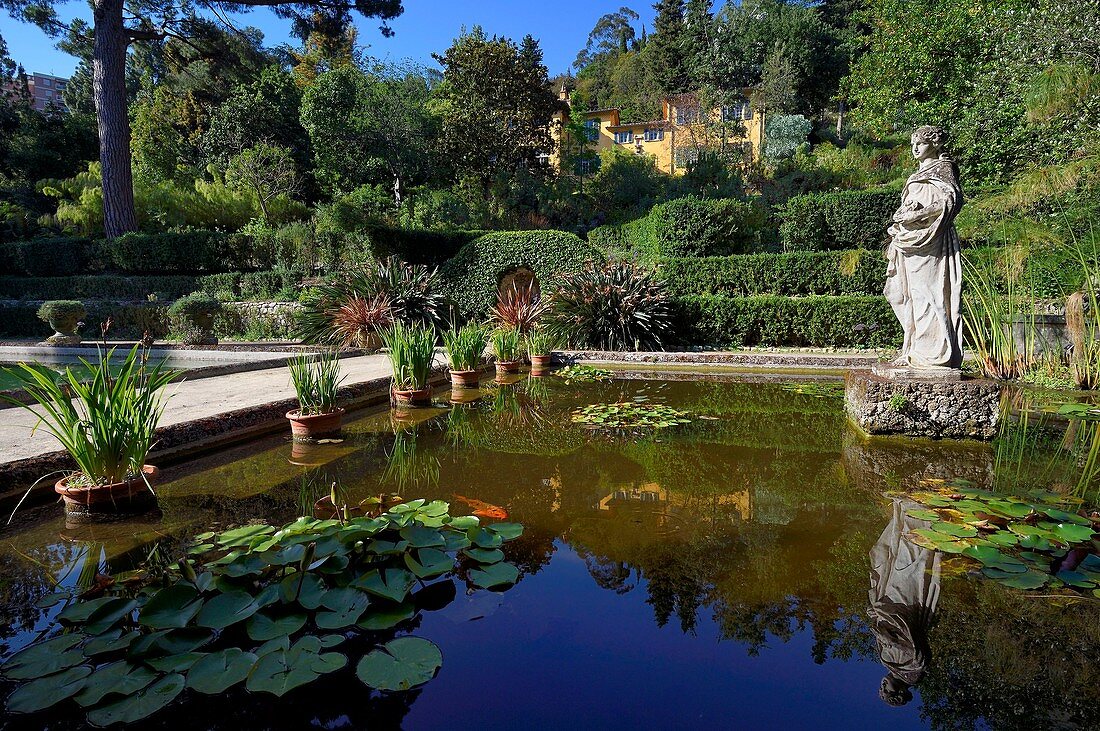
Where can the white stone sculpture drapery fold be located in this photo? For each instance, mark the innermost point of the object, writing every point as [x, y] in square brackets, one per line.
[924, 268]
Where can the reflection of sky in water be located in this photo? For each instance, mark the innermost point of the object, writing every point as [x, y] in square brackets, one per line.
[715, 577]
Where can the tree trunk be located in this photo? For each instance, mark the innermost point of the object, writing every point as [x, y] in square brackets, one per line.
[109, 92]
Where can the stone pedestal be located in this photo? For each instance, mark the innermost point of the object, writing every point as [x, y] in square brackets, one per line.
[920, 404]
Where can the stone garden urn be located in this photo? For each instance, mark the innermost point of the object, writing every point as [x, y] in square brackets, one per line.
[65, 317]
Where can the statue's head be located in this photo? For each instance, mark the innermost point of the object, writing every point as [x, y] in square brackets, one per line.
[928, 142]
[894, 691]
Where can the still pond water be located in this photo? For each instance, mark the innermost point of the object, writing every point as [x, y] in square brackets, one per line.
[718, 575]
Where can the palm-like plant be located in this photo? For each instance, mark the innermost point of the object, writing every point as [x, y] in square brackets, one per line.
[519, 308]
[345, 307]
[106, 423]
[614, 306]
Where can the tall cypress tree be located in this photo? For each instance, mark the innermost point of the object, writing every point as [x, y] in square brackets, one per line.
[667, 55]
[698, 37]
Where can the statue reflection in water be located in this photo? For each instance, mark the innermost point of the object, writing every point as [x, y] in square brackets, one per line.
[905, 589]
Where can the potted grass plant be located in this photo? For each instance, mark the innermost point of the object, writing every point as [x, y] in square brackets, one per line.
[540, 349]
[106, 419]
[316, 381]
[465, 347]
[507, 347]
[412, 351]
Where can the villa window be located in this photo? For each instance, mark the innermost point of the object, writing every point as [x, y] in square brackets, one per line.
[592, 129]
[685, 156]
[738, 111]
[624, 138]
[588, 165]
[654, 135]
[687, 115]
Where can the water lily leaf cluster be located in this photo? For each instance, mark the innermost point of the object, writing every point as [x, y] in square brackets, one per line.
[264, 608]
[817, 390]
[583, 374]
[1040, 540]
[631, 415]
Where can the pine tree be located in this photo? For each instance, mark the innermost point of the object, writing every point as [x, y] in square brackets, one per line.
[667, 58]
[699, 42]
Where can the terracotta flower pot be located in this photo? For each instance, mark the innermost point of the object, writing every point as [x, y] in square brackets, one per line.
[508, 366]
[316, 425]
[116, 497]
[413, 397]
[465, 379]
[464, 395]
[541, 364]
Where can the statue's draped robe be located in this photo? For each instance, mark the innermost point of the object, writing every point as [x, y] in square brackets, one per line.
[904, 593]
[924, 269]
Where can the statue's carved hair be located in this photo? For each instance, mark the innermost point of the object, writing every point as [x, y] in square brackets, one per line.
[932, 134]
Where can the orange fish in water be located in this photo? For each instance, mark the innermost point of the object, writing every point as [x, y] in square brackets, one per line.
[483, 509]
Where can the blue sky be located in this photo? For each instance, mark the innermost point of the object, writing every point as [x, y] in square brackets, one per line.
[427, 26]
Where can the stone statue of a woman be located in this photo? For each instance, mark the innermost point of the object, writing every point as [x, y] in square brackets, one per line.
[924, 270]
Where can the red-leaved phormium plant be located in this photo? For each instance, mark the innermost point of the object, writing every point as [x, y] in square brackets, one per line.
[357, 320]
[519, 308]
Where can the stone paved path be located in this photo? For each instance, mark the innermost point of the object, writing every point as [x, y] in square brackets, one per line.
[190, 400]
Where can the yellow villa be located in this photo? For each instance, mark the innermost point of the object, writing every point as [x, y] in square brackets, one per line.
[675, 141]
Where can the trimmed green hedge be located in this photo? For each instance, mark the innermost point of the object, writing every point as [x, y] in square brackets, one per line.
[264, 285]
[48, 257]
[472, 278]
[686, 227]
[840, 322]
[133, 320]
[843, 219]
[801, 273]
[189, 251]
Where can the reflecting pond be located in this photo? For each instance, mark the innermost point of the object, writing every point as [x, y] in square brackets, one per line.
[748, 569]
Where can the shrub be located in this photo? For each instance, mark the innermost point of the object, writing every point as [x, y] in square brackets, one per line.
[857, 272]
[616, 306]
[61, 310]
[196, 303]
[849, 219]
[189, 251]
[472, 278]
[48, 257]
[841, 322]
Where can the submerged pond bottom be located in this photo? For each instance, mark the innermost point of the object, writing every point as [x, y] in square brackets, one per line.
[747, 569]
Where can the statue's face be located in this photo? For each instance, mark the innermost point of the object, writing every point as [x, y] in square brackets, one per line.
[923, 149]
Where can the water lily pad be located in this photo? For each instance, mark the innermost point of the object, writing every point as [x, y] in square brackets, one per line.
[1009, 509]
[171, 607]
[346, 606]
[50, 690]
[110, 613]
[1072, 532]
[429, 563]
[112, 641]
[484, 538]
[507, 531]
[1028, 580]
[221, 670]
[420, 536]
[79, 611]
[1077, 579]
[498, 574]
[485, 555]
[456, 541]
[121, 677]
[180, 663]
[922, 514]
[401, 664]
[387, 616]
[239, 536]
[281, 671]
[227, 609]
[247, 565]
[169, 642]
[44, 658]
[387, 548]
[263, 626]
[464, 522]
[392, 584]
[1002, 538]
[140, 705]
[955, 529]
[306, 589]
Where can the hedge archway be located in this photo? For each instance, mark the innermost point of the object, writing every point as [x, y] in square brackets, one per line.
[472, 278]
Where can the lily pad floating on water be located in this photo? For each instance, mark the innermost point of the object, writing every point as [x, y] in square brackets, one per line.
[119, 677]
[44, 658]
[45, 692]
[494, 575]
[140, 705]
[627, 415]
[218, 671]
[401, 664]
